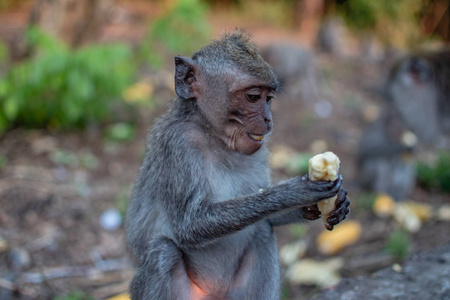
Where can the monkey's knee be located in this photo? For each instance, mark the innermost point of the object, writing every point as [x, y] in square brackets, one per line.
[153, 278]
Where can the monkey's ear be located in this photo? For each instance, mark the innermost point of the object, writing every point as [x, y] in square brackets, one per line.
[185, 76]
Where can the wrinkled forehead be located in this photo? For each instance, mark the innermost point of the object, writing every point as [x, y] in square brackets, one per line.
[238, 76]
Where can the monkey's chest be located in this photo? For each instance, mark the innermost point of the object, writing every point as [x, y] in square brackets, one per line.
[232, 183]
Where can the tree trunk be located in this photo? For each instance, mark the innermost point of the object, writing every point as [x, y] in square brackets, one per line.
[74, 21]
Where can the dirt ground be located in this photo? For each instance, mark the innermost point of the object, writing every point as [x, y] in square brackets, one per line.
[51, 241]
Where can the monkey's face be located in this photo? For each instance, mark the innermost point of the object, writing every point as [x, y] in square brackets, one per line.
[249, 119]
[234, 104]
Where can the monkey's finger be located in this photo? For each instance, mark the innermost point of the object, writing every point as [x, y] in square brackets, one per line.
[339, 217]
[342, 196]
[333, 188]
[327, 185]
[340, 208]
[329, 227]
[342, 203]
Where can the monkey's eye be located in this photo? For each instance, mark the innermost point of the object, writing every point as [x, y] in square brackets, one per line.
[269, 99]
[253, 97]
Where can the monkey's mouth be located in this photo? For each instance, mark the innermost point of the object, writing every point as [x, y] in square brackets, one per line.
[257, 138]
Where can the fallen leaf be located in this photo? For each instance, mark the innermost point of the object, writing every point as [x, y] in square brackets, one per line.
[423, 211]
[321, 273]
[384, 205]
[124, 296]
[331, 242]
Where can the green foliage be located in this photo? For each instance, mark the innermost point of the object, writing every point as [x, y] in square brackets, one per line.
[285, 293]
[359, 13]
[181, 30]
[363, 202]
[120, 132]
[275, 13]
[75, 295]
[298, 163]
[395, 22]
[3, 161]
[67, 158]
[3, 53]
[60, 88]
[398, 244]
[436, 175]
[298, 231]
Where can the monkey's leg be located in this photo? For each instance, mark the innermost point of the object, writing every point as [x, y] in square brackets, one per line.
[161, 276]
[259, 276]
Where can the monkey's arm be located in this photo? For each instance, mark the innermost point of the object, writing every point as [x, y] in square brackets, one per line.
[312, 212]
[202, 220]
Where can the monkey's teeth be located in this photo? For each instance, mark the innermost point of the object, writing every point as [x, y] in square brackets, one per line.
[257, 137]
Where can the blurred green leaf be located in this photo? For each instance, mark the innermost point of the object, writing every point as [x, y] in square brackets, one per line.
[75, 295]
[65, 158]
[3, 53]
[398, 244]
[298, 231]
[435, 175]
[89, 160]
[121, 132]
[181, 30]
[298, 163]
[61, 88]
[122, 199]
[3, 161]
[394, 22]
[11, 107]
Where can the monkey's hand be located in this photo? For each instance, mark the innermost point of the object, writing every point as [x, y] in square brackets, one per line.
[307, 192]
[303, 195]
[312, 212]
[340, 212]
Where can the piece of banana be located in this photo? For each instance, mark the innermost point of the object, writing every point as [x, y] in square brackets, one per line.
[325, 166]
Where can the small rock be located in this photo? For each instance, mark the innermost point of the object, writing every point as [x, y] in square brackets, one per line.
[409, 139]
[60, 173]
[84, 190]
[19, 259]
[407, 218]
[397, 268]
[291, 252]
[111, 219]
[443, 213]
[323, 109]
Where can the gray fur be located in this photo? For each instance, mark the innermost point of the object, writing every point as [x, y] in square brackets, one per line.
[201, 213]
